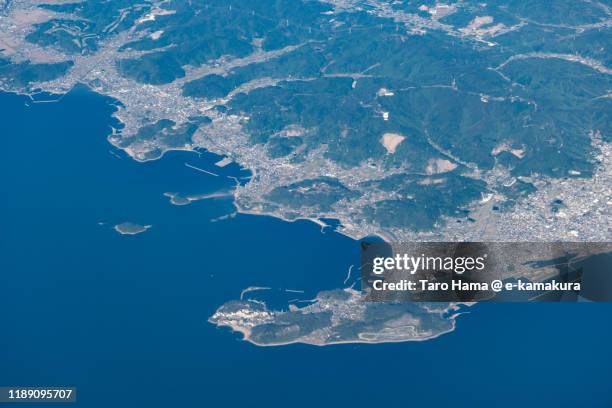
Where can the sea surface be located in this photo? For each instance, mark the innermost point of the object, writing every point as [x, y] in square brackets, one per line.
[124, 318]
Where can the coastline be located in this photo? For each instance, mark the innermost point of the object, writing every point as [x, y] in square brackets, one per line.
[117, 104]
[246, 333]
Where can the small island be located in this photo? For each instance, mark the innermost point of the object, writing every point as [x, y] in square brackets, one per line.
[178, 199]
[130, 228]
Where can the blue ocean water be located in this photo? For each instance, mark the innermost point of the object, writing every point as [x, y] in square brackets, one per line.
[124, 318]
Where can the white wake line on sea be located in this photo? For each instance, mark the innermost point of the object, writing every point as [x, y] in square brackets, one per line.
[191, 166]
